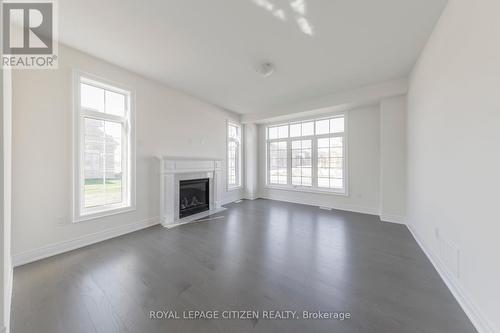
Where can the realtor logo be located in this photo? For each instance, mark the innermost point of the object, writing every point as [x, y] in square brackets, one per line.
[29, 34]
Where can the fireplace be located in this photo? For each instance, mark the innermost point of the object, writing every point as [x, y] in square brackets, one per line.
[178, 174]
[194, 196]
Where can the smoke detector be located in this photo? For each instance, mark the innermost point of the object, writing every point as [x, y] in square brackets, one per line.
[265, 69]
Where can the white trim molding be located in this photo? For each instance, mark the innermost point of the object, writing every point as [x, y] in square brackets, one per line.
[8, 291]
[305, 189]
[250, 196]
[464, 300]
[390, 218]
[343, 207]
[75, 243]
[10, 287]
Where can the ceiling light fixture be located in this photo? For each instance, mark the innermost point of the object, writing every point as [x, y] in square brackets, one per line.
[265, 69]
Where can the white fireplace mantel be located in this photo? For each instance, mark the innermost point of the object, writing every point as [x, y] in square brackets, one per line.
[175, 169]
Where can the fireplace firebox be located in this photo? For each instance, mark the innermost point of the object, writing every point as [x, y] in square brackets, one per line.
[193, 196]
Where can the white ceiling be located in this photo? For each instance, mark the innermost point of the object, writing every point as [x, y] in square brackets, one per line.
[210, 48]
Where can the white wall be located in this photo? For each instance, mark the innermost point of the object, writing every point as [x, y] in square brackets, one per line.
[5, 198]
[453, 153]
[363, 166]
[393, 159]
[168, 122]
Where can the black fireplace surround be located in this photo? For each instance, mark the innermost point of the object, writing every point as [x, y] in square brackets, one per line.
[193, 196]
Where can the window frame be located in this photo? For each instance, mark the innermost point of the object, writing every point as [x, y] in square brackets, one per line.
[80, 213]
[314, 140]
[238, 163]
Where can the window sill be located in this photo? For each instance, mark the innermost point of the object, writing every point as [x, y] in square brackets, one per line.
[342, 193]
[98, 215]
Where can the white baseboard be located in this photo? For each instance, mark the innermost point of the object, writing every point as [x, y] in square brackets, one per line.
[472, 311]
[72, 244]
[10, 281]
[392, 218]
[230, 200]
[250, 195]
[232, 195]
[5, 325]
[344, 207]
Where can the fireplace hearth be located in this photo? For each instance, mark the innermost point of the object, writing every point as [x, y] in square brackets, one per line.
[193, 196]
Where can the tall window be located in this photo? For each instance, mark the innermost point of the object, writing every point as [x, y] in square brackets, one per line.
[308, 155]
[233, 155]
[103, 151]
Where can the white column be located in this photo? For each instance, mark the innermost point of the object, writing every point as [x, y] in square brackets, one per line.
[393, 159]
[251, 160]
[218, 184]
[5, 197]
[167, 199]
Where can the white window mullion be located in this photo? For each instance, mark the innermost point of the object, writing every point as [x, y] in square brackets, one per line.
[238, 163]
[103, 116]
[267, 161]
[81, 168]
[124, 166]
[104, 165]
[289, 162]
[314, 156]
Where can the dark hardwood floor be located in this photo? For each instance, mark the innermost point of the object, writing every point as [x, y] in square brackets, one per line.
[263, 255]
